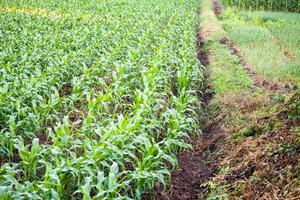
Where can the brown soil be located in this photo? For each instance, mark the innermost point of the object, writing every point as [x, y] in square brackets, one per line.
[194, 168]
[203, 55]
[270, 86]
[43, 139]
[217, 7]
[77, 118]
[186, 182]
[65, 90]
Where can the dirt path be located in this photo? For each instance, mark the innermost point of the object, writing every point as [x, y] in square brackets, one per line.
[192, 172]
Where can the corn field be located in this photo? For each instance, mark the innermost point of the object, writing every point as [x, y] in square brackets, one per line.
[96, 97]
[276, 5]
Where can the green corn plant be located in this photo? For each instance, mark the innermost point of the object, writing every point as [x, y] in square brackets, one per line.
[109, 84]
[29, 157]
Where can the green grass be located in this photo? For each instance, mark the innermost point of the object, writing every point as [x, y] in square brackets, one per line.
[227, 74]
[268, 41]
[96, 96]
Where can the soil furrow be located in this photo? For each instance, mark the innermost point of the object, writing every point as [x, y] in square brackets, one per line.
[194, 167]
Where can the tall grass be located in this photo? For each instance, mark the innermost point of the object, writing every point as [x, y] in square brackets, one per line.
[275, 5]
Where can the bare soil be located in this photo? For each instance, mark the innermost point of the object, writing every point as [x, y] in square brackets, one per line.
[43, 139]
[194, 168]
[186, 182]
[65, 90]
[217, 7]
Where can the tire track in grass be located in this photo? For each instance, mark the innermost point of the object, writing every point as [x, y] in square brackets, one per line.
[270, 86]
